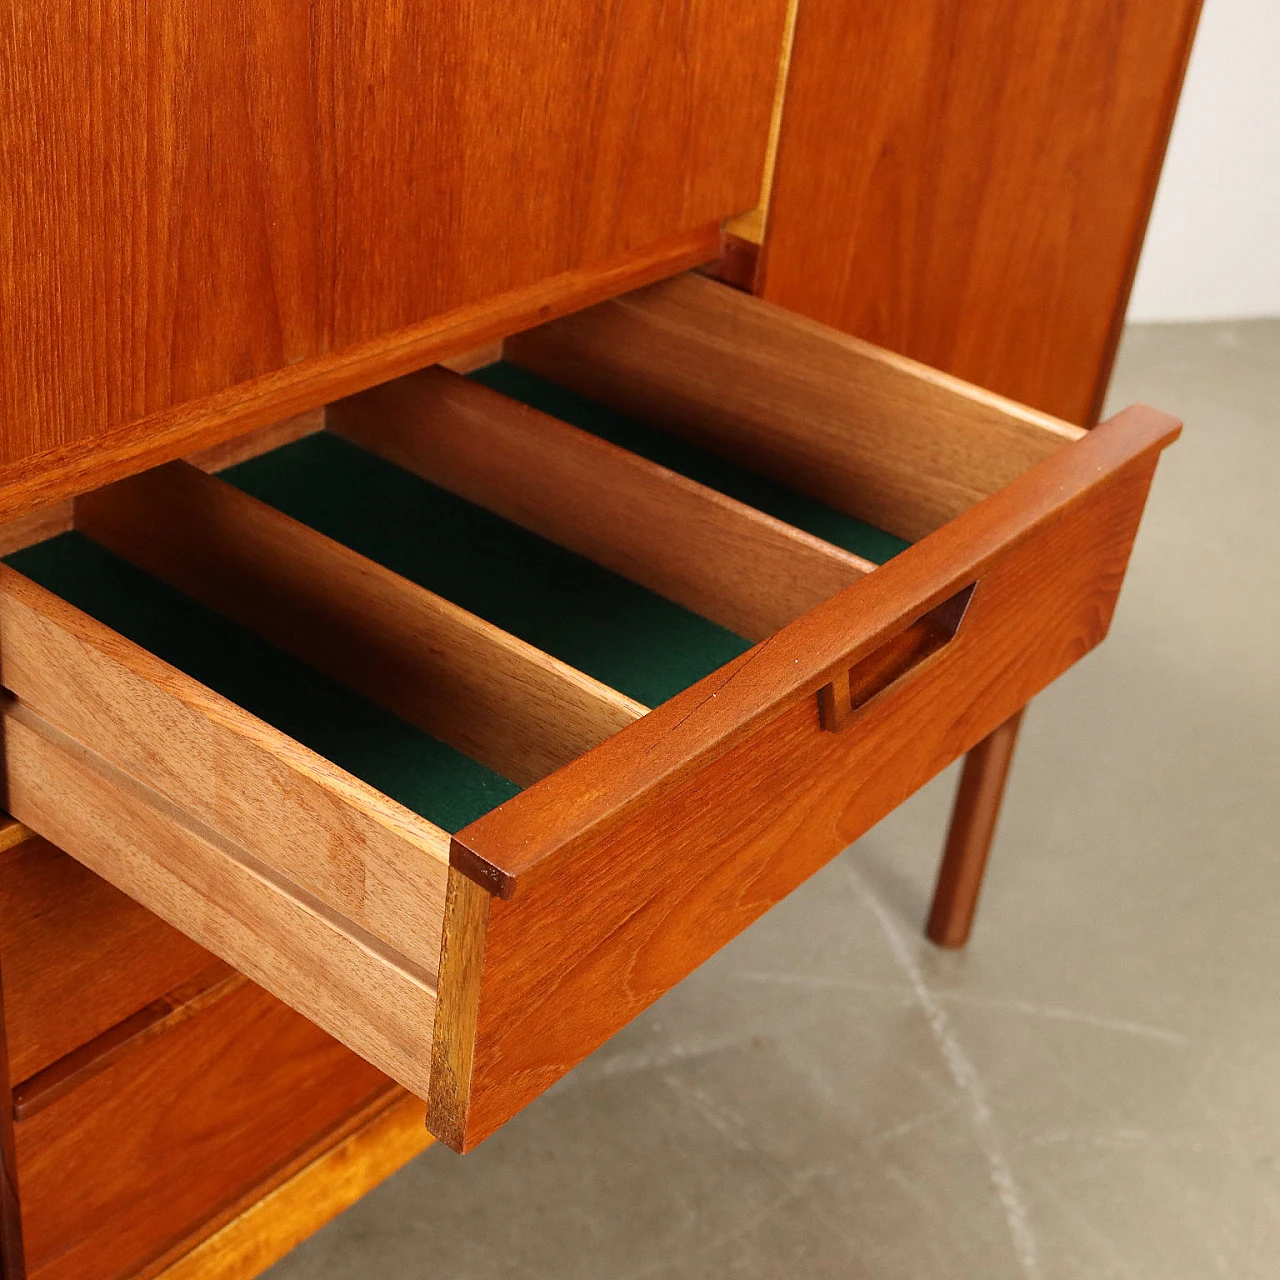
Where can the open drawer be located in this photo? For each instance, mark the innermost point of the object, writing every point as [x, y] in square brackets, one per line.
[384, 745]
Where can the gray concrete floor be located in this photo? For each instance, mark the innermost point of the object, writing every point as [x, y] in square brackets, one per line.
[1092, 1089]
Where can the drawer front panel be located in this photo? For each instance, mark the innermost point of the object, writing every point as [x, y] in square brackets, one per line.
[148, 1149]
[77, 956]
[643, 889]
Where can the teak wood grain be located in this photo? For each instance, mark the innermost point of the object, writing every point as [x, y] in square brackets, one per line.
[835, 636]
[477, 358]
[617, 876]
[43, 479]
[969, 184]
[259, 441]
[316, 827]
[878, 436]
[572, 906]
[470, 684]
[718, 557]
[842, 702]
[125, 1037]
[146, 1151]
[78, 955]
[35, 526]
[13, 833]
[11, 1265]
[346, 980]
[218, 193]
[750, 225]
[274, 1219]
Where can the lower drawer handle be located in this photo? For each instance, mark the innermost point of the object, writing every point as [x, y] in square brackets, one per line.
[852, 689]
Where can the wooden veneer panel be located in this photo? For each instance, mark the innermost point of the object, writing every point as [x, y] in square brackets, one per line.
[224, 201]
[154, 1144]
[969, 184]
[77, 955]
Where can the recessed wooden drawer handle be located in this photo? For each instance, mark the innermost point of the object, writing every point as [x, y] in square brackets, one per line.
[840, 701]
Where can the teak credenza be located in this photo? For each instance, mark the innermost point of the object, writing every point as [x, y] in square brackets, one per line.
[445, 598]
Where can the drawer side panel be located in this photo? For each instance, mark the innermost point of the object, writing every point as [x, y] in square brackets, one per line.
[219, 897]
[367, 858]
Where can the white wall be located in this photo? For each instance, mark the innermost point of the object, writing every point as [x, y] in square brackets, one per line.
[1213, 248]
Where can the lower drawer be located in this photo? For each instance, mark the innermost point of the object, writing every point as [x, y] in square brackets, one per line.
[77, 956]
[145, 1151]
[468, 731]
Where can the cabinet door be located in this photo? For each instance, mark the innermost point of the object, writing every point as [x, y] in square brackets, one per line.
[968, 184]
[196, 195]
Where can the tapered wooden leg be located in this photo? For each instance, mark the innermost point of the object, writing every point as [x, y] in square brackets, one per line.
[973, 824]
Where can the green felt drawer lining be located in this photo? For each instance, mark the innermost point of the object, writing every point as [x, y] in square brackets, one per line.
[737, 482]
[422, 773]
[603, 624]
